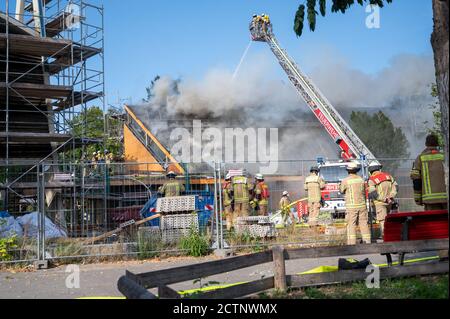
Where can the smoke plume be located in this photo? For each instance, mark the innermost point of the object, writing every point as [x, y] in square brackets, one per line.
[257, 99]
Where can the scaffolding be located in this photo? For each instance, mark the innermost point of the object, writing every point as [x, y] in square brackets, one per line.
[52, 69]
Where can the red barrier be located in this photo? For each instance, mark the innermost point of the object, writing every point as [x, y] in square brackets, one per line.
[416, 226]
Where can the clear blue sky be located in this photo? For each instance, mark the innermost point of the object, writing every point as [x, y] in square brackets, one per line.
[187, 38]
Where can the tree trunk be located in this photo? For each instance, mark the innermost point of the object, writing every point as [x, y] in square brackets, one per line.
[439, 42]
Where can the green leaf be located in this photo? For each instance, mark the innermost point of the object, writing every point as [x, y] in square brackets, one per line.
[323, 7]
[299, 20]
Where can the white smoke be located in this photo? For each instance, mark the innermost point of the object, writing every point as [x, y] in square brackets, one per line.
[257, 99]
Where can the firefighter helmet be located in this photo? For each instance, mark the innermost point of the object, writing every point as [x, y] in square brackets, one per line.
[228, 177]
[285, 193]
[171, 174]
[353, 167]
[374, 167]
[259, 177]
[314, 169]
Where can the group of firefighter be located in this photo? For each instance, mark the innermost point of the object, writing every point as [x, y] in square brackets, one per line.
[241, 195]
[260, 24]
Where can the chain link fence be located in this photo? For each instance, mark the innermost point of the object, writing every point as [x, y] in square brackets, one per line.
[104, 210]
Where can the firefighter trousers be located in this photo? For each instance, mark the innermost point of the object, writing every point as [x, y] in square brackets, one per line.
[229, 216]
[354, 217]
[382, 210]
[262, 210]
[313, 210]
[240, 210]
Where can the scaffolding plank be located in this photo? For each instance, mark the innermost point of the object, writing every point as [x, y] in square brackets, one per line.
[37, 90]
[60, 49]
[56, 26]
[15, 26]
[27, 138]
[78, 98]
[25, 44]
[64, 62]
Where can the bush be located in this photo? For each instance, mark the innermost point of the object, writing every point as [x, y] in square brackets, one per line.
[148, 246]
[6, 244]
[195, 244]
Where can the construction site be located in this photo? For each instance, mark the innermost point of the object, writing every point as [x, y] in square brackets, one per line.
[63, 202]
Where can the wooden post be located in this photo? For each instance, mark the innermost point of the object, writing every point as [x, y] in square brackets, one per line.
[279, 268]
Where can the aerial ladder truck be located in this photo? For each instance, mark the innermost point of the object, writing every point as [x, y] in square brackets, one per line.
[351, 147]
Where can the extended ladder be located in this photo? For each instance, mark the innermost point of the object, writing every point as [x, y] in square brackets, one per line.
[352, 147]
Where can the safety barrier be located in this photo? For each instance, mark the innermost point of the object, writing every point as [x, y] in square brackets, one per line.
[135, 286]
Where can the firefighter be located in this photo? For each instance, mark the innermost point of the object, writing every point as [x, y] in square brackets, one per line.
[227, 196]
[354, 189]
[267, 26]
[253, 23]
[241, 195]
[109, 157]
[313, 185]
[382, 191]
[285, 201]
[428, 177]
[261, 194]
[172, 187]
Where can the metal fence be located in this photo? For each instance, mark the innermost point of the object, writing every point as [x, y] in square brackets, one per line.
[92, 210]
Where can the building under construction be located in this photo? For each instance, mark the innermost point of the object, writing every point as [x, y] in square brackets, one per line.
[51, 64]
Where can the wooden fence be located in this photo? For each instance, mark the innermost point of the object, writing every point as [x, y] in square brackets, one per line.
[135, 286]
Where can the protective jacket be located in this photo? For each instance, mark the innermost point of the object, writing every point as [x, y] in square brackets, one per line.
[354, 189]
[313, 185]
[241, 189]
[428, 177]
[262, 193]
[171, 188]
[227, 194]
[385, 187]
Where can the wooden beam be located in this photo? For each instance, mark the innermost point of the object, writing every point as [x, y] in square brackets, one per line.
[37, 90]
[165, 292]
[366, 249]
[238, 291]
[132, 290]
[343, 276]
[184, 273]
[35, 138]
[119, 229]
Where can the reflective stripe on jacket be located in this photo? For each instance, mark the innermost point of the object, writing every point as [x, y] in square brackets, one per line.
[313, 185]
[261, 188]
[386, 187]
[241, 189]
[429, 168]
[354, 189]
[171, 188]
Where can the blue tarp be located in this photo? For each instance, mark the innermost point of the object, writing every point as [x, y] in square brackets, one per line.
[204, 206]
[4, 214]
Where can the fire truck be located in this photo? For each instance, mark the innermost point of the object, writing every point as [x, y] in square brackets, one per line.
[350, 146]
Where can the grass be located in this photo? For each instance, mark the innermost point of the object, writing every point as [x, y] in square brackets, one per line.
[421, 287]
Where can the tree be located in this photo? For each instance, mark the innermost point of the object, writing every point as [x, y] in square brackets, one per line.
[91, 124]
[379, 134]
[437, 117]
[439, 42]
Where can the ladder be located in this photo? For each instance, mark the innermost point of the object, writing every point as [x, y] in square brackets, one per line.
[351, 146]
